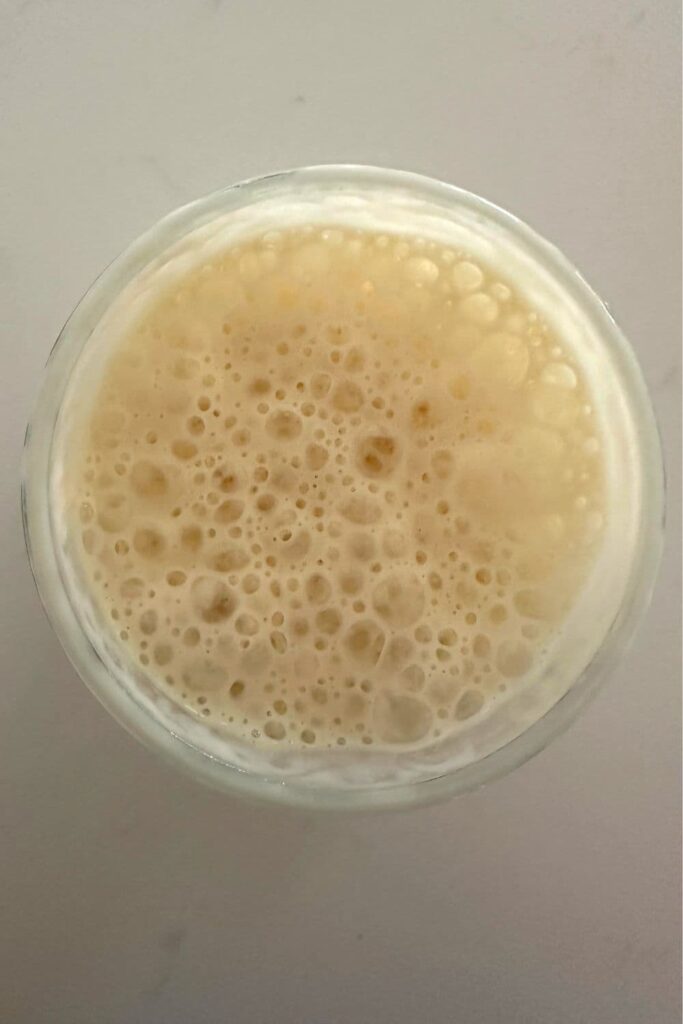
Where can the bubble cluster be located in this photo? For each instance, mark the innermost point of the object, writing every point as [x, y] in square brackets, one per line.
[337, 489]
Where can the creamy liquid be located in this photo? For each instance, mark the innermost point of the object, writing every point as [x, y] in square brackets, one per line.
[337, 488]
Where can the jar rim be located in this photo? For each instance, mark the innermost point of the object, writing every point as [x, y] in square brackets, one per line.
[36, 506]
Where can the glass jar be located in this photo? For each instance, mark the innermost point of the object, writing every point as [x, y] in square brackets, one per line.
[603, 619]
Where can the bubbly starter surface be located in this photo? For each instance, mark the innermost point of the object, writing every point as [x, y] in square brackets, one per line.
[337, 488]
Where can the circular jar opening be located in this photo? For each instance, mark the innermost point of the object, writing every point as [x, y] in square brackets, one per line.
[435, 231]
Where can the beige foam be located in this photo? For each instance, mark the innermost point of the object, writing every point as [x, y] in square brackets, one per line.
[337, 489]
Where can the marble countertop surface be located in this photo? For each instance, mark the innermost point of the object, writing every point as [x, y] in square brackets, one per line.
[128, 894]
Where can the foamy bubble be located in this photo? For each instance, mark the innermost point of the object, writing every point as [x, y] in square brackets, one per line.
[399, 599]
[421, 270]
[467, 276]
[501, 358]
[402, 719]
[559, 374]
[480, 309]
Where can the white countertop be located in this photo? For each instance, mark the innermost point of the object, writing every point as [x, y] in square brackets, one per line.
[127, 893]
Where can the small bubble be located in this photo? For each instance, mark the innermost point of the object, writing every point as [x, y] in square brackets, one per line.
[274, 730]
[559, 374]
[399, 599]
[318, 589]
[148, 622]
[328, 621]
[250, 583]
[183, 449]
[480, 308]
[229, 511]
[513, 659]
[148, 542]
[191, 538]
[421, 270]
[278, 642]
[284, 425]
[175, 578]
[163, 653]
[347, 396]
[196, 425]
[246, 625]
[498, 614]
[191, 637]
[265, 502]
[467, 276]
[469, 704]
[213, 599]
[364, 642]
